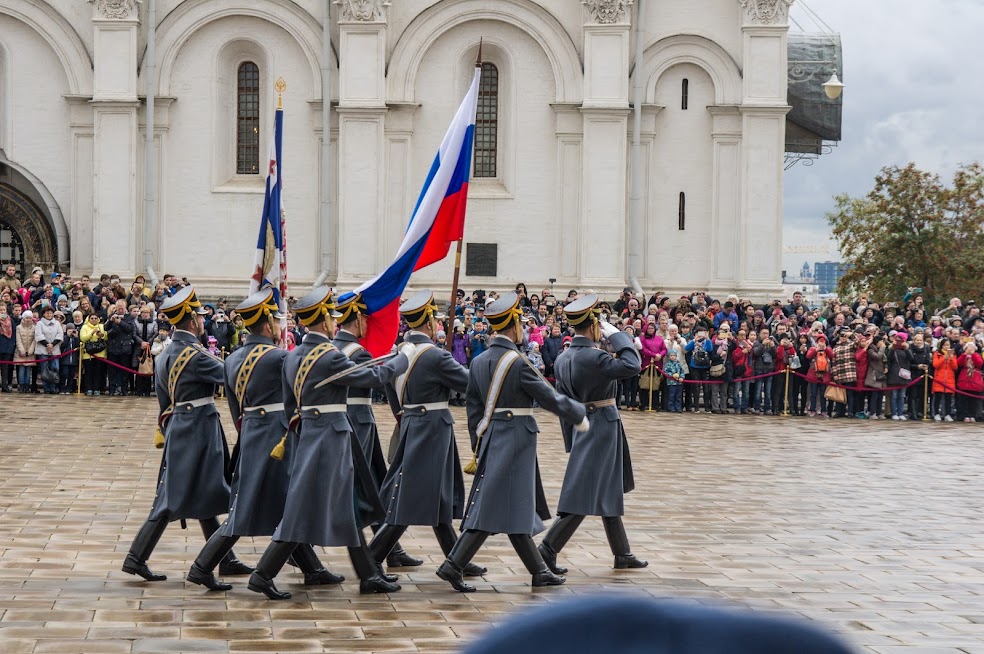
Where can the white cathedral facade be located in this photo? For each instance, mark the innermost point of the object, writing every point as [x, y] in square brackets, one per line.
[550, 195]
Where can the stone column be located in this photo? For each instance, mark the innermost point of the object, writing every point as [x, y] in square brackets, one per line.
[601, 243]
[763, 114]
[361, 139]
[115, 220]
[725, 199]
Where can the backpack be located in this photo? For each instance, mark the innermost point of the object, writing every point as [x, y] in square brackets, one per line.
[821, 360]
[701, 358]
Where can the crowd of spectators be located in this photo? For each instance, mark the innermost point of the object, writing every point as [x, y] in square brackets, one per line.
[860, 359]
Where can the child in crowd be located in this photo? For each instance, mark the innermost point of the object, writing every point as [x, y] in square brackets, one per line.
[69, 364]
[536, 359]
[674, 382]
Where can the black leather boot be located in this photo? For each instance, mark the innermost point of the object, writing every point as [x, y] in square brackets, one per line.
[619, 542]
[384, 540]
[315, 574]
[560, 532]
[230, 566]
[451, 573]
[398, 558]
[447, 539]
[215, 549]
[528, 554]
[273, 559]
[142, 547]
[453, 569]
[371, 578]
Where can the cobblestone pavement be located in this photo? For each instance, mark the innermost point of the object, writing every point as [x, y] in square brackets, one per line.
[873, 529]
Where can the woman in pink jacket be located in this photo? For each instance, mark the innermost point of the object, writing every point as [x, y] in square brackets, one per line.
[653, 353]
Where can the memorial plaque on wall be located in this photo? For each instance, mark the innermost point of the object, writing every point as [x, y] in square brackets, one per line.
[481, 259]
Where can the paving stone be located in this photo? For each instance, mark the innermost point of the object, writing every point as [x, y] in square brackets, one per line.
[872, 530]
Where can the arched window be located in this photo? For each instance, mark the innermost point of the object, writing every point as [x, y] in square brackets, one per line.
[685, 95]
[248, 120]
[487, 122]
[682, 212]
[11, 249]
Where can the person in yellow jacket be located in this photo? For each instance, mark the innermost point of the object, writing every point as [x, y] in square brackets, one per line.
[93, 363]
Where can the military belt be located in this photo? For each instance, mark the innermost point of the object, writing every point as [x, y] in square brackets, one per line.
[352, 401]
[191, 404]
[600, 404]
[323, 408]
[512, 413]
[264, 409]
[424, 408]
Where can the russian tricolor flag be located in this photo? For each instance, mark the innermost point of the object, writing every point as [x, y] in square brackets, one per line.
[438, 221]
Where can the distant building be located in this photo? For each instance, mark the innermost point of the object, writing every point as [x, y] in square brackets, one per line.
[805, 273]
[827, 274]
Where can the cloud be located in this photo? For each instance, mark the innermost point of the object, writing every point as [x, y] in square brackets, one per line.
[912, 70]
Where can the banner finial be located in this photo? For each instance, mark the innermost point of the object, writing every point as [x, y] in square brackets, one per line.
[281, 86]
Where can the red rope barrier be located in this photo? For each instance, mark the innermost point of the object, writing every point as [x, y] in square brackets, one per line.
[31, 362]
[955, 390]
[865, 389]
[718, 381]
[129, 370]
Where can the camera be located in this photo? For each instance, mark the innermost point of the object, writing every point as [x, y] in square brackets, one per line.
[552, 280]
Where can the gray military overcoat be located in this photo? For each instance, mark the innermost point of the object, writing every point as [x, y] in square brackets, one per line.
[192, 482]
[507, 496]
[361, 415]
[599, 470]
[259, 483]
[331, 496]
[424, 485]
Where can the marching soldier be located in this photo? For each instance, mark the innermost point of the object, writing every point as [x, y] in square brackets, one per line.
[259, 485]
[191, 484]
[352, 327]
[424, 485]
[507, 496]
[599, 471]
[331, 496]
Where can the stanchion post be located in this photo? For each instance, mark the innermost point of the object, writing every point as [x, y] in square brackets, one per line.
[785, 411]
[652, 366]
[926, 396]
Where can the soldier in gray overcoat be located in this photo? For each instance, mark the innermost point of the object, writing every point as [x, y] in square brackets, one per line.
[331, 496]
[507, 496]
[259, 484]
[599, 471]
[352, 327]
[191, 484]
[424, 485]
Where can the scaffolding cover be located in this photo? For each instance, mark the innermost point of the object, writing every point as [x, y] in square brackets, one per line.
[814, 118]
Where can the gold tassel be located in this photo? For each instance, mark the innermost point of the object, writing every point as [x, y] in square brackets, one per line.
[472, 466]
[279, 449]
[159, 438]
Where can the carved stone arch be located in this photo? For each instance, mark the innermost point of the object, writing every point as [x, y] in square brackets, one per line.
[700, 51]
[19, 214]
[61, 36]
[430, 24]
[191, 15]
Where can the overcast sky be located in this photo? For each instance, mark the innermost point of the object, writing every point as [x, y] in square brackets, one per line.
[914, 71]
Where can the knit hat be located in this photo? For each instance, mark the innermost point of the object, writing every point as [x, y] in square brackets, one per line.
[821, 337]
[759, 313]
[901, 336]
[27, 314]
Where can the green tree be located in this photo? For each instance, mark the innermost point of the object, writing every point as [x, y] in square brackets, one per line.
[911, 230]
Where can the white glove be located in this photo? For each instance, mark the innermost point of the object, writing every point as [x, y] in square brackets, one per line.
[585, 425]
[607, 329]
[408, 350]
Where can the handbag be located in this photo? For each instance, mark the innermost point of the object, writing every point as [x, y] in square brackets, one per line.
[836, 394]
[905, 374]
[794, 361]
[650, 379]
[95, 347]
[717, 370]
[146, 365]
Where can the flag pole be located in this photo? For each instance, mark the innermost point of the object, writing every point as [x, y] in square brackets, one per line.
[449, 337]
